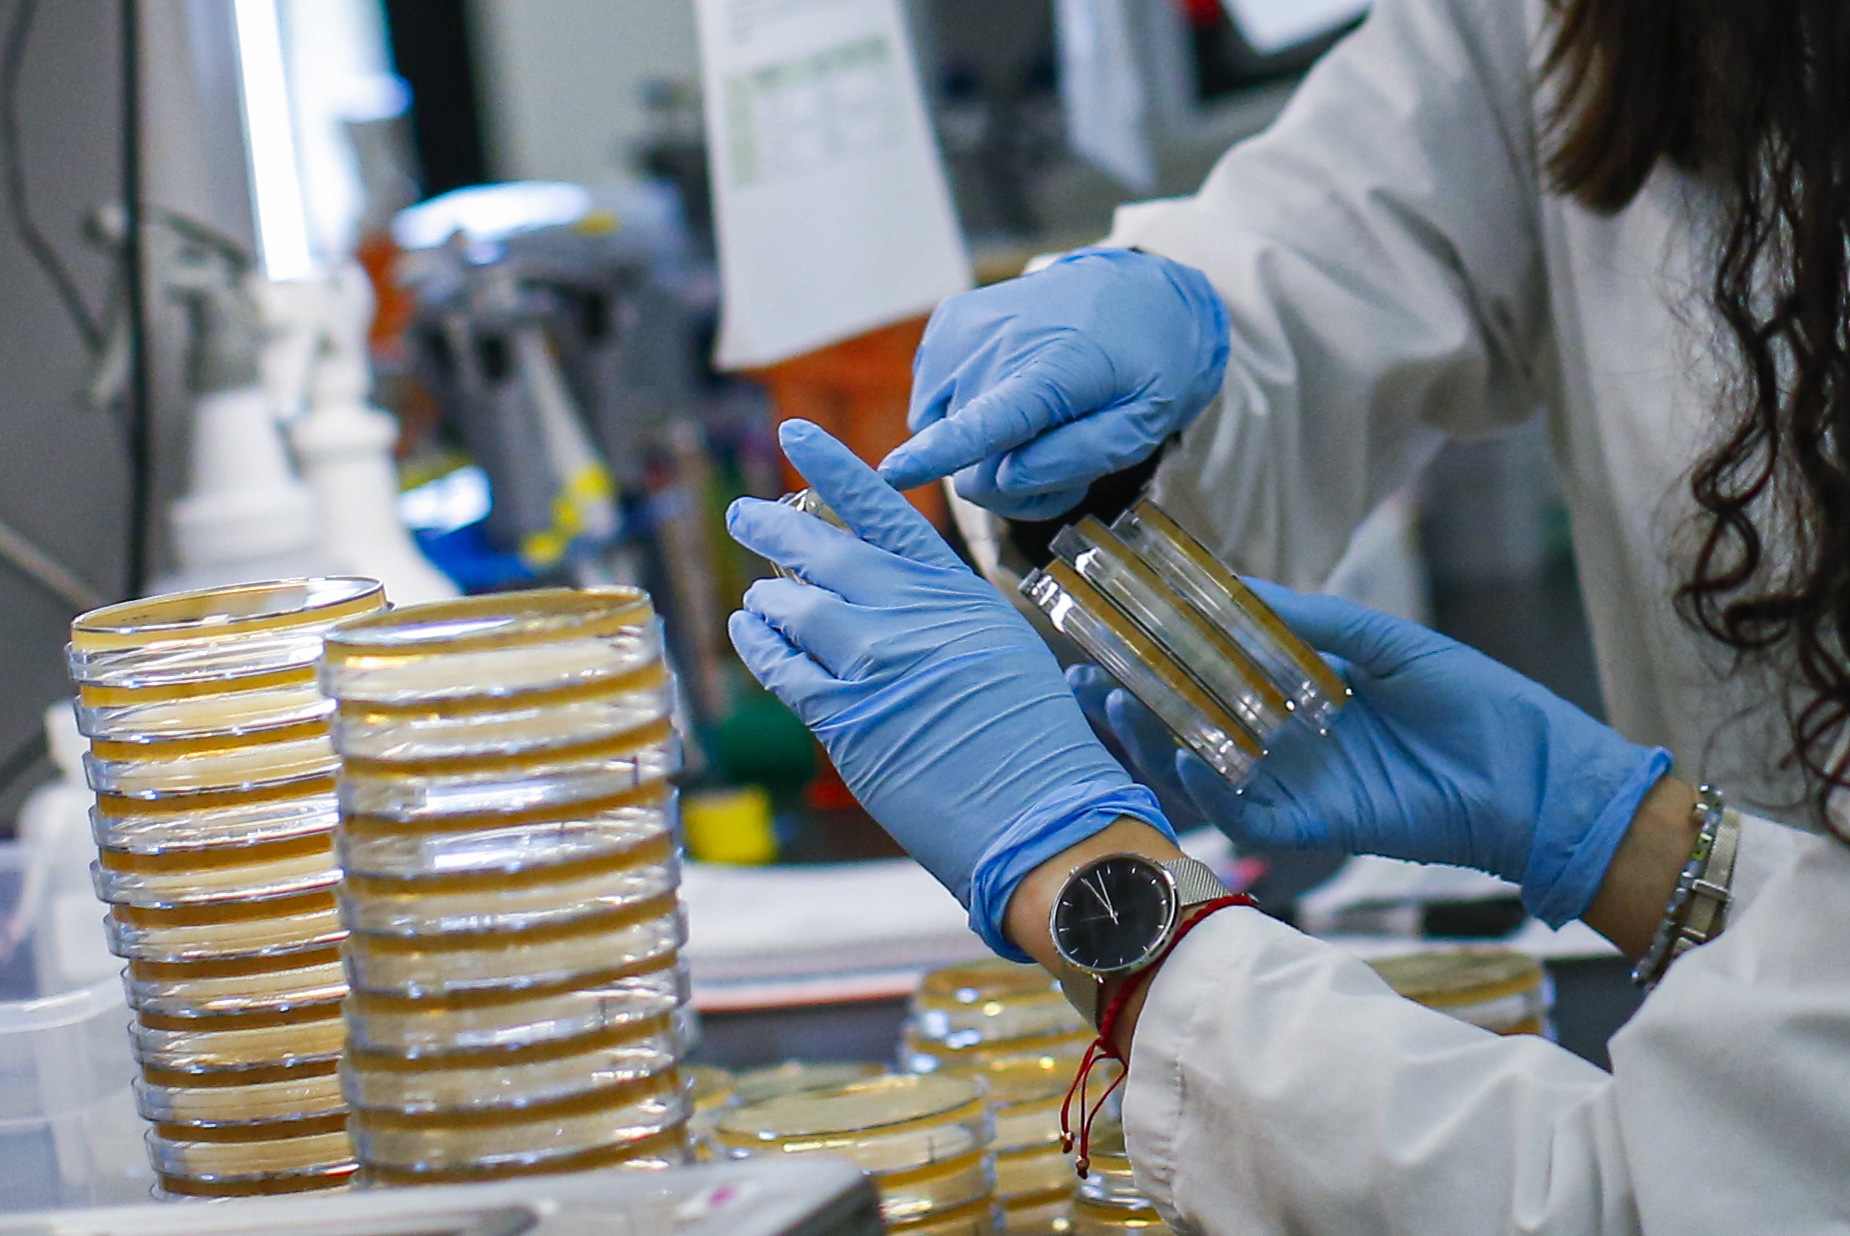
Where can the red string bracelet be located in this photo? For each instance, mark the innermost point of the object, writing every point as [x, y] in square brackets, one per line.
[1102, 1049]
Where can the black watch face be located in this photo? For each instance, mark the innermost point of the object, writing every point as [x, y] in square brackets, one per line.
[1113, 914]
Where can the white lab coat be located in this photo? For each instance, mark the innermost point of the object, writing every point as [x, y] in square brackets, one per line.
[1396, 273]
[1278, 1086]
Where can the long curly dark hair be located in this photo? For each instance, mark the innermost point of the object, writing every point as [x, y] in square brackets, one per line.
[1753, 97]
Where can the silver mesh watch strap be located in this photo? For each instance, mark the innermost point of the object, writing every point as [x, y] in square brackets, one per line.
[1195, 883]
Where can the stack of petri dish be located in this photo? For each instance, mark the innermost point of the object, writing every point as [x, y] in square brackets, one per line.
[1109, 1202]
[512, 872]
[214, 821]
[925, 1140]
[1009, 1026]
[1497, 989]
[1185, 636]
[972, 1014]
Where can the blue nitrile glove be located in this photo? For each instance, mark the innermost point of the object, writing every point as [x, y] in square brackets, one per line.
[1030, 390]
[1137, 738]
[943, 710]
[1443, 756]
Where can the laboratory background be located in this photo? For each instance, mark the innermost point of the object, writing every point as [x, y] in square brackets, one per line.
[375, 378]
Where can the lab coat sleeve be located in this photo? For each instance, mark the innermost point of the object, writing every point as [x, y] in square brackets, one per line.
[1277, 1085]
[1378, 249]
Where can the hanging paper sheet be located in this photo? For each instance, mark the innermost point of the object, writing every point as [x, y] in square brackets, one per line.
[830, 199]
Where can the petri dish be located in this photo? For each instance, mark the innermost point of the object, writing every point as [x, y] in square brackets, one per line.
[222, 615]
[518, 1077]
[711, 1090]
[436, 966]
[193, 766]
[1034, 1172]
[810, 503]
[1026, 1092]
[991, 999]
[413, 1027]
[928, 1055]
[485, 647]
[558, 779]
[1108, 1199]
[213, 635]
[208, 716]
[245, 986]
[1500, 990]
[1041, 1214]
[1099, 1219]
[269, 871]
[497, 847]
[980, 1218]
[240, 1096]
[1210, 657]
[202, 823]
[1305, 678]
[655, 1153]
[523, 725]
[528, 1136]
[450, 904]
[180, 1152]
[326, 1180]
[199, 1043]
[226, 930]
[925, 1139]
[1078, 611]
[775, 1080]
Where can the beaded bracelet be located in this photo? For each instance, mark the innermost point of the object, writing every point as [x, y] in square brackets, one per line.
[1698, 906]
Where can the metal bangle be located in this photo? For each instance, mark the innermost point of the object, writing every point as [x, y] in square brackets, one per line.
[1708, 814]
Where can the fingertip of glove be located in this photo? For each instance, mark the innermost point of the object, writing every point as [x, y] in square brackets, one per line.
[797, 429]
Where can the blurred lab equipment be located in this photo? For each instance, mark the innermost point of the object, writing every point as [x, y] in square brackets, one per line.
[560, 331]
[554, 332]
[246, 514]
[317, 371]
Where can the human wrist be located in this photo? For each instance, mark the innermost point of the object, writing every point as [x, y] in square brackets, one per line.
[1564, 873]
[1638, 883]
[1031, 844]
[1030, 906]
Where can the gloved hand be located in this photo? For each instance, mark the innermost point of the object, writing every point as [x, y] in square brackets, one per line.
[1443, 756]
[943, 710]
[1139, 741]
[1029, 390]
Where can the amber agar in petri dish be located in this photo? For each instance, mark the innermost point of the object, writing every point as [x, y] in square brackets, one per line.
[1210, 657]
[1500, 990]
[1110, 638]
[1230, 606]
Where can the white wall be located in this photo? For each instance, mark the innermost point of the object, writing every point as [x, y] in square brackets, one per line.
[563, 78]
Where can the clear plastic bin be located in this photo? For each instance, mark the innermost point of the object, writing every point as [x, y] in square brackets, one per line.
[69, 1135]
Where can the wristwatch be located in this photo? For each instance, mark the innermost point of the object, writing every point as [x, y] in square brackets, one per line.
[1117, 914]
